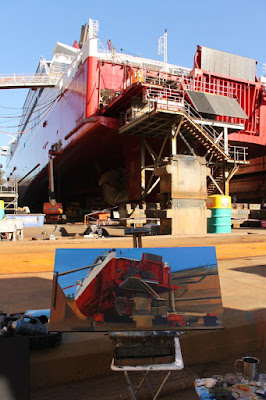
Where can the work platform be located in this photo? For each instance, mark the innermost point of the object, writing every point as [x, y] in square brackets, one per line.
[9, 195]
[158, 122]
[165, 113]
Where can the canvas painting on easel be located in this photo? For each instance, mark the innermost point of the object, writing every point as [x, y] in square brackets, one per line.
[136, 289]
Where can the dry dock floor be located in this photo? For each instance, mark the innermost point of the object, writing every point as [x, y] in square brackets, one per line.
[80, 367]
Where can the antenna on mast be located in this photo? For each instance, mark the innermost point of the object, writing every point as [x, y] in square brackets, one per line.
[162, 46]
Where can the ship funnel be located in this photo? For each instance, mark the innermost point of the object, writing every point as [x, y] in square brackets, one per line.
[89, 31]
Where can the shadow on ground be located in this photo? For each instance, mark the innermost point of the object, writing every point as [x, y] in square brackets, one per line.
[254, 269]
[25, 293]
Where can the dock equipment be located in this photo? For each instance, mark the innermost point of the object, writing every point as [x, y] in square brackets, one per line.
[53, 211]
[9, 194]
[11, 229]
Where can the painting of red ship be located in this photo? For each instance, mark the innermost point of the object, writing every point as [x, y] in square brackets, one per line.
[136, 289]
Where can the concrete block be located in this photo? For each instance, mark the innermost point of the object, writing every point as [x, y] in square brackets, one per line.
[254, 206]
[184, 177]
[240, 213]
[189, 221]
[240, 206]
[184, 221]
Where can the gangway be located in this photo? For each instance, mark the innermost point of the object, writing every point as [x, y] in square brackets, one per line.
[28, 81]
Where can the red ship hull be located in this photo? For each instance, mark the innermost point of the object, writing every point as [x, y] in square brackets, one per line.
[121, 279]
[84, 121]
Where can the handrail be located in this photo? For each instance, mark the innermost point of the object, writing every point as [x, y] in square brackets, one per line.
[10, 188]
[236, 153]
[26, 80]
[173, 99]
[166, 94]
[208, 87]
[190, 110]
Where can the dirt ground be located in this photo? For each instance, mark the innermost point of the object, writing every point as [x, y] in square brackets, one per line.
[114, 387]
[26, 272]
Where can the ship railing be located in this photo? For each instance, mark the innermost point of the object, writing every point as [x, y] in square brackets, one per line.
[140, 62]
[10, 188]
[238, 153]
[215, 136]
[173, 100]
[165, 98]
[195, 84]
[178, 78]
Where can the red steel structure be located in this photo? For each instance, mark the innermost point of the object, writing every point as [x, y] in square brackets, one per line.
[110, 286]
[92, 105]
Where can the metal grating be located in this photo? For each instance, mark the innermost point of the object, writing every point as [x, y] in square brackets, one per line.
[151, 124]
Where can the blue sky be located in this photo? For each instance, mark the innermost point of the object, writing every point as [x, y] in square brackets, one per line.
[30, 29]
[179, 258]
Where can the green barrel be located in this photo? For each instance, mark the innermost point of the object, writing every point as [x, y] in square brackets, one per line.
[2, 211]
[220, 221]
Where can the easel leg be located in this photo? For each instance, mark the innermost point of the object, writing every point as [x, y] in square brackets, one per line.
[147, 382]
[130, 385]
[134, 391]
[137, 239]
[162, 385]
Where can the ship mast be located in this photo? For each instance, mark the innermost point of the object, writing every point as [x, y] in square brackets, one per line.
[162, 46]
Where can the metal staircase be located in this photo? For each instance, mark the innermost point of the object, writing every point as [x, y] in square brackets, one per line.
[193, 124]
[173, 100]
[189, 127]
[166, 114]
[215, 181]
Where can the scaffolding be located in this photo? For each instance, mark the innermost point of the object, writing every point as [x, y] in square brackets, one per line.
[9, 195]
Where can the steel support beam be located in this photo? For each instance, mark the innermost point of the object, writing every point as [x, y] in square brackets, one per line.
[228, 178]
[142, 165]
[226, 147]
[187, 144]
[216, 184]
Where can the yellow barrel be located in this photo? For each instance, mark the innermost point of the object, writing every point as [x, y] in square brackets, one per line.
[2, 211]
[219, 201]
[220, 221]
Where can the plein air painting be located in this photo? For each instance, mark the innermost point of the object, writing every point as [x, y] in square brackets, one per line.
[136, 289]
